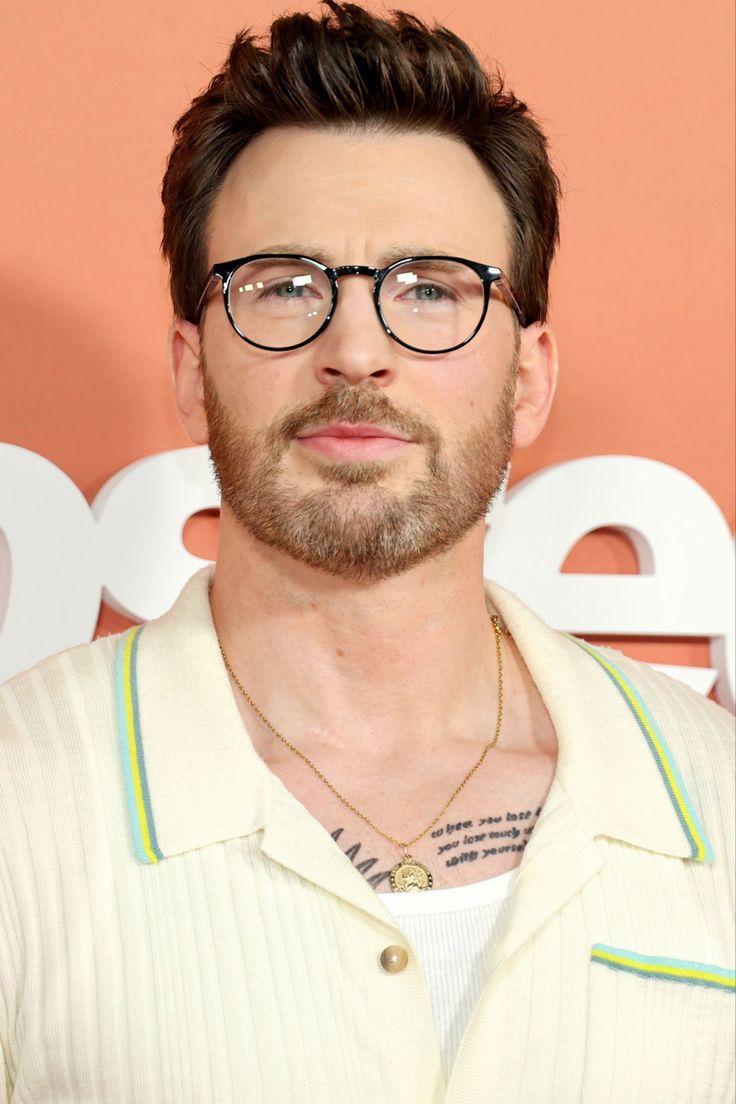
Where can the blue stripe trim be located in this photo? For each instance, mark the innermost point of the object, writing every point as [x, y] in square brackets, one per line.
[139, 748]
[700, 846]
[123, 742]
[682, 970]
[675, 770]
[126, 722]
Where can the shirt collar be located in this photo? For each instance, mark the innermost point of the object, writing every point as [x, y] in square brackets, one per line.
[193, 777]
[614, 761]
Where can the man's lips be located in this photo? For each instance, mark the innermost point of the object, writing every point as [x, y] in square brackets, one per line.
[343, 429]
[352, 442]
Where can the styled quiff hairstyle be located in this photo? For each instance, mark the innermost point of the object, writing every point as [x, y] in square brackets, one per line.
[346, 70]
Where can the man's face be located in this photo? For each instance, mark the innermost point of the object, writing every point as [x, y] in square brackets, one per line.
[350, 200]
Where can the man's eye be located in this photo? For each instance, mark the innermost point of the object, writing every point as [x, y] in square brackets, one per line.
[429, 291]
[287, 290]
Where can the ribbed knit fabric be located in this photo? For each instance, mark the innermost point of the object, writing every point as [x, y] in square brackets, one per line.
[177, 928]
[452, 932]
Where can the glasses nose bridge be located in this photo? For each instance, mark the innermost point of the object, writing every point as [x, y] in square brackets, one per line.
[356, 270]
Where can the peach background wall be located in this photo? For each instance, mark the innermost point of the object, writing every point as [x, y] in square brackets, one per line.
[637, 99]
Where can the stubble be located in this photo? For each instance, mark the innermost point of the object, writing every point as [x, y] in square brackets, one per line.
[355, 525]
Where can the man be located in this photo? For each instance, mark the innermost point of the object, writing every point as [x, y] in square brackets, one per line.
[349, 824]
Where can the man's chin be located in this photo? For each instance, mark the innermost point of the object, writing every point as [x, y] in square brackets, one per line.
[349, 470]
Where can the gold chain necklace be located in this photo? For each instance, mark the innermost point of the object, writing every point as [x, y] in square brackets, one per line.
[408, 875]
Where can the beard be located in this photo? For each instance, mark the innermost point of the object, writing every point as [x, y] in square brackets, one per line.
[355, 527]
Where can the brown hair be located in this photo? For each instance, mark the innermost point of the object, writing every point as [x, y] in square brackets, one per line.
[346, 69]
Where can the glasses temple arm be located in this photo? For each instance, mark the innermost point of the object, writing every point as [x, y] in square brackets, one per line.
[199, 309]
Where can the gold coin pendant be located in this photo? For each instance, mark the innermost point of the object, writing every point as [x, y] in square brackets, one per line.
[410, 876]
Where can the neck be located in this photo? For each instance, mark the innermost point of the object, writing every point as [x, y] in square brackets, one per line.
[334, 664]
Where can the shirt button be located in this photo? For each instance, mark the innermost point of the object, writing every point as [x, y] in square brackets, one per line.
[394, 959]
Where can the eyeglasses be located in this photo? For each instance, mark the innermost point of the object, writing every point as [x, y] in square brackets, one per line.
[432, 304]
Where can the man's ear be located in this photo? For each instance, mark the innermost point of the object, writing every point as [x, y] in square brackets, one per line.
[536, 382]
[186, 372]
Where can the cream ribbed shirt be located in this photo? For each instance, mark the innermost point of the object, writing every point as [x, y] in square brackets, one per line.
[177, 928]
[453, 932]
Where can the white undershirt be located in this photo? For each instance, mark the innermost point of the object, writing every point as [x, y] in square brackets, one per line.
[452, 932]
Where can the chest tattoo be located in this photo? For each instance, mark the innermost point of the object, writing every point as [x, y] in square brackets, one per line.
[459, 841]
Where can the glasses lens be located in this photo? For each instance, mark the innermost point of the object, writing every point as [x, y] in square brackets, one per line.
[278, 302]
[432, 304]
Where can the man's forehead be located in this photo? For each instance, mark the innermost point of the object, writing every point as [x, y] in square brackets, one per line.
[326, 254]
[400, 194]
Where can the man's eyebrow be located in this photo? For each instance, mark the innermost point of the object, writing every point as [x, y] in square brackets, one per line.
[396, 253]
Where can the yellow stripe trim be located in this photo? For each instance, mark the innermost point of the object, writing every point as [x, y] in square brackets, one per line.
[663, 758]
[132, 746]
[660, 968]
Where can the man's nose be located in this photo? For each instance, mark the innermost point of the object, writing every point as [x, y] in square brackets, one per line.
[355, 345]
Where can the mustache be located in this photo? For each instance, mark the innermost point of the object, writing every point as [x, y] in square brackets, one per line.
[353, 406]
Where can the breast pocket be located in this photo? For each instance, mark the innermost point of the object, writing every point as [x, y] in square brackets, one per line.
[659, 1028]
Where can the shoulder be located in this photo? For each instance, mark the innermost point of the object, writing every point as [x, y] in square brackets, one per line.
[61, 793]
[682, 710]
[51, 714]
[696, 735]
[58, 683]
